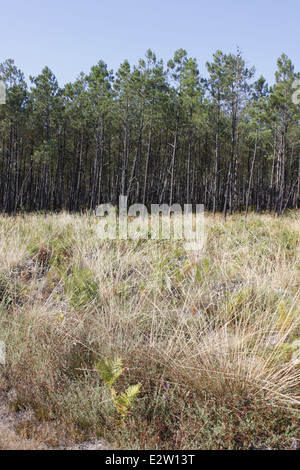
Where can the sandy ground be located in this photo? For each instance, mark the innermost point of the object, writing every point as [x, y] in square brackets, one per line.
[11, 440]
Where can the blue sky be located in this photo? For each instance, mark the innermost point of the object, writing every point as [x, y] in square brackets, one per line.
[71, 35]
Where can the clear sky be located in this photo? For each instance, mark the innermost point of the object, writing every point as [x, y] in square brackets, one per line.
[71, 35]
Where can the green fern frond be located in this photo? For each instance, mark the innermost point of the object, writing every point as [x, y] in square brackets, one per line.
[124, 402]
[110, 370]
[131, 392]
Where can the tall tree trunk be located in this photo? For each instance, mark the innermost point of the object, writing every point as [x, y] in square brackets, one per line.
[173, 161]
[147, 159]
[251, 174]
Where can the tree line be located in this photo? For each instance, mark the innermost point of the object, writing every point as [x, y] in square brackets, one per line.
[153, 132]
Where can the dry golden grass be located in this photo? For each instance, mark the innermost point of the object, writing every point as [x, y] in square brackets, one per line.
[9, 440]
[220, 326]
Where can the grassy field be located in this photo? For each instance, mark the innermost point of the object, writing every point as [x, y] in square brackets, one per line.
[212, 341]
